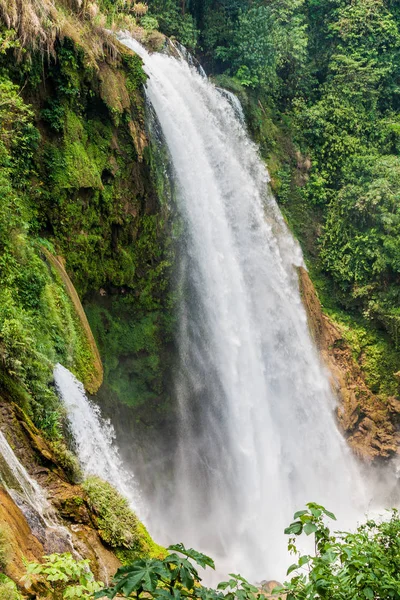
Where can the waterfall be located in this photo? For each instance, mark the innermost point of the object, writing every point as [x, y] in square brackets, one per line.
[257, 436]
[31, 499]
[93, 436]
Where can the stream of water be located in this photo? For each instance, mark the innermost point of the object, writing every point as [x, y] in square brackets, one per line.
[31, 499]
[93, 437]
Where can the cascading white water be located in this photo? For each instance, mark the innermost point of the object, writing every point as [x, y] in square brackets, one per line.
[256, 436]
[93, 436]
[32, 501]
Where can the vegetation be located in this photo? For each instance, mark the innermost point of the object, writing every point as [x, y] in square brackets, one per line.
[38, 324]
[5, 546]
[74, 182]
[174, 577]
[8, 589]
[67, 461]
[117, 524]
[61, 577]
[360, 565]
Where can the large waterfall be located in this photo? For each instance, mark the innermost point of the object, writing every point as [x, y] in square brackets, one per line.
[257, 437]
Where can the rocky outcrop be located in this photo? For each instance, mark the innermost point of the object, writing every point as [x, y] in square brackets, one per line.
[267, 588]
[68, 499]
[24, 546]
[369, 422]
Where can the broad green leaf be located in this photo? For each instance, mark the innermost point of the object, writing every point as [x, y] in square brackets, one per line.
[292, 568]
[201, 559]
[310, 528]
[223, 585]
[296, 528]
[329, 514]
[303, 560]
[300, 513]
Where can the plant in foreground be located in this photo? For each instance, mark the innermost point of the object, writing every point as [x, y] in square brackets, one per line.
[61, 577]
[364, 565]
[175, 578]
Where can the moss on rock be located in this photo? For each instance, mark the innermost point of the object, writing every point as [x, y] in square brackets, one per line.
[117, 524]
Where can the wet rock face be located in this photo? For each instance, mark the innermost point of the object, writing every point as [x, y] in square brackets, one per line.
[33, 518]
[369, 423]
[24, 544]
[67, 524]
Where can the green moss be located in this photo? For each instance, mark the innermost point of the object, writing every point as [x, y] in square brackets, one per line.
[144, 548]
[5, 546]
[373, 351]
[8, 589]
[117, 524]
[130, 346]
[77, 163]
[136, 76]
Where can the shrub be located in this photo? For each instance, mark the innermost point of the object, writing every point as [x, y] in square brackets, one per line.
[149, 23]
[62, 577]
[140, 9]
[360, 565]
[175, 577]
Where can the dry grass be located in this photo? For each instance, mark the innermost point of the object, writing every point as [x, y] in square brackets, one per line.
[35, 22]
[39, 23]
[140, 9]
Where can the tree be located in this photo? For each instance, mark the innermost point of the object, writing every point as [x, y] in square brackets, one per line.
[268, 39]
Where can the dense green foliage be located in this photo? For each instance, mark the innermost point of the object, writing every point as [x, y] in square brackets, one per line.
[360, 566]
[75, 181]
[175, 577]
[8, 589]
[38, 324]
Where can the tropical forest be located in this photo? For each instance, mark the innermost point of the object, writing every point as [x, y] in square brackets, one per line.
[200, 299]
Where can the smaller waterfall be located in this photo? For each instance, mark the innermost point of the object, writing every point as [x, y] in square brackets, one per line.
[32, 501]
[93, 436]
[234, 102]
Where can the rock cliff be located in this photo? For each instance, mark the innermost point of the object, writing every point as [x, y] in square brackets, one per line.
[369, 422]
